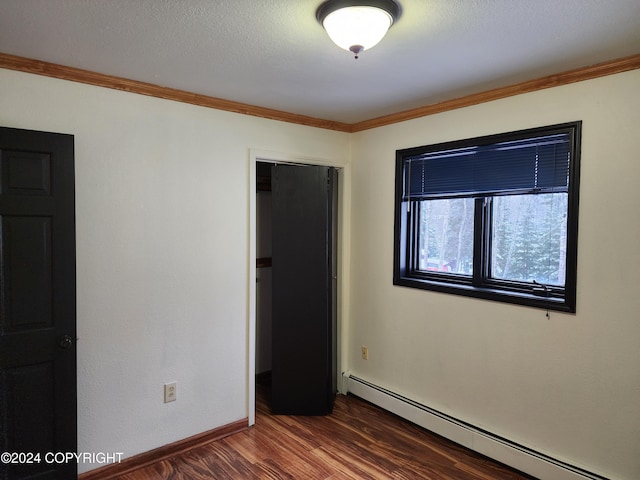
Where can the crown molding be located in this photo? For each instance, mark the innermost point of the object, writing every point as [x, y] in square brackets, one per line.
[571, 76]
[39, 67]
[47, 69]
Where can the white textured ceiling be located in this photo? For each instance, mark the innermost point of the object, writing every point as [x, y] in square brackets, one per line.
[273, 53]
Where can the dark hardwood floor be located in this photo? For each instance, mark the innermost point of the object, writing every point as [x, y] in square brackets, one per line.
[357, 441]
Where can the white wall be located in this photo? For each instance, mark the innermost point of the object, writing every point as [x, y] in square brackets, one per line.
[569, 386]
[162, 219]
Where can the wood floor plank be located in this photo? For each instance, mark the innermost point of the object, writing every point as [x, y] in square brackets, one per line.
[357, 441]
[352, 468]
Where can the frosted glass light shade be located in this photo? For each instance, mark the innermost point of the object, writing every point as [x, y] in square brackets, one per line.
[357, 28]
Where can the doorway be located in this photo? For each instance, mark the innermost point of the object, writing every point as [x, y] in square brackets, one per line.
[264, 278]
[260, 356]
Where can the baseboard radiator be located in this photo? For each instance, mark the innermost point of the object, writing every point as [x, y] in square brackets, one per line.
[493, 446]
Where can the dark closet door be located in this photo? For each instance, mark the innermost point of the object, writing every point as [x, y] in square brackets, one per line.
[304, 295]
[37, 304]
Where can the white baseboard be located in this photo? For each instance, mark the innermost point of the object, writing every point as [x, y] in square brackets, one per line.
[500, 449]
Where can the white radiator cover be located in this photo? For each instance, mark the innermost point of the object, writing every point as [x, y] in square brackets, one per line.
[500, 449]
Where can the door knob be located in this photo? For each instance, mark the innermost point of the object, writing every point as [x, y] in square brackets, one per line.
[66, 342]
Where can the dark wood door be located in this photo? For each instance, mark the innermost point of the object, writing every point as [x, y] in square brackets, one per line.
[37, 304]
[304, 295]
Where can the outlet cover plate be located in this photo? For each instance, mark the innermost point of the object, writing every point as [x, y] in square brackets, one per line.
[170, 392]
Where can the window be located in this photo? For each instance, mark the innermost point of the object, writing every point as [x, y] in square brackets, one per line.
[493, 217]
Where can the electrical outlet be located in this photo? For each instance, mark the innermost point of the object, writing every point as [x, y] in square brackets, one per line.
[365, 353]
[170, 392]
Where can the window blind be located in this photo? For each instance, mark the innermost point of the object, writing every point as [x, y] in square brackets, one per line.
[532, 165]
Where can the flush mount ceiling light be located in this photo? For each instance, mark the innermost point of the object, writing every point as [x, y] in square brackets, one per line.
[357, 25]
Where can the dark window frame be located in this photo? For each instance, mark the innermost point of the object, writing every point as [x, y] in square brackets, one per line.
[479, 284]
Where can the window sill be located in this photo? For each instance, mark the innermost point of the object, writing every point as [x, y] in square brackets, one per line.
[486, 293]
